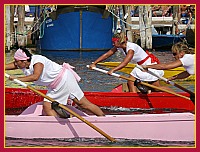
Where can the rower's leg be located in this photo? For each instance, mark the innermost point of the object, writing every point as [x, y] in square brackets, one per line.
[48, 110]
[86, 104]
[131, 86]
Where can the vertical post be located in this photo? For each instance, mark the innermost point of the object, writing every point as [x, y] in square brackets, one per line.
[129, 32]
[12, 11]
[8, 27]
[20, 25]
[175, 19]
[142, 26]
[148, 15]
[118, 27]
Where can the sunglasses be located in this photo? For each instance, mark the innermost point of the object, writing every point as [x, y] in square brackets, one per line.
[174, 54]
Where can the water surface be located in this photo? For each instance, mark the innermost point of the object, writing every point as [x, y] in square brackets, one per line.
[93, 81]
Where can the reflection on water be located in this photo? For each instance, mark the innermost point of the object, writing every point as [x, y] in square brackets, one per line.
[92, 81]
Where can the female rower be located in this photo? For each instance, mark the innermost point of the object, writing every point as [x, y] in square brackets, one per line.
[61, 80]
[184, 56]
[133, 52]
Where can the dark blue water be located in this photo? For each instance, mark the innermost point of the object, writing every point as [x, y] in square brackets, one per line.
[95, 81]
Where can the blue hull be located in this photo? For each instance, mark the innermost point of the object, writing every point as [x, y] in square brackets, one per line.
[160, 41]
[163, 41]
[79, 30]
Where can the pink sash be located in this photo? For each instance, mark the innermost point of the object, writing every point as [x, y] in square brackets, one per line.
[60, 75]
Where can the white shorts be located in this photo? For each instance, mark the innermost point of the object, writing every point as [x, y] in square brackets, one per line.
[144, 76]
[67, 88]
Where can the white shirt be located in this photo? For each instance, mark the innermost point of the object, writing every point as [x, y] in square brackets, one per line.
[139, 53]
[67, 88]
[49, 73]
[188, 63]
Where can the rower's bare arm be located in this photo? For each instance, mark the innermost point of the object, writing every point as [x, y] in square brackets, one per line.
[126, 60]
[104, 56]
[165, 66]
[11, 66]
[181, 75]
[38, 68]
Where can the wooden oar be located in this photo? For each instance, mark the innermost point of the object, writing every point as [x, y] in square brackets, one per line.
[146, 84]
[170, 82]
[66, 108]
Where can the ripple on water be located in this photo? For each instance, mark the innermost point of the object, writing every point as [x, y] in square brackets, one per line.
[95, 142]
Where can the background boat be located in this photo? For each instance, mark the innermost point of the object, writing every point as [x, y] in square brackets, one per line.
[86, 27]
[76, 28]
[164, 41]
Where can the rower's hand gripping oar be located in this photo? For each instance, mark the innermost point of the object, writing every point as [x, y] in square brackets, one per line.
[64, 107]
[146, 84]
[192, 94]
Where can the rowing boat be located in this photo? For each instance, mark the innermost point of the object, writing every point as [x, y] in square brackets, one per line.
[166, 127]
[19, 98]
[130, 66]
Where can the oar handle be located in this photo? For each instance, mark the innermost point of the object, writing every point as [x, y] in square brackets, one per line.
[66, 108]
[104, 71]
[146, 84]
[17, 81]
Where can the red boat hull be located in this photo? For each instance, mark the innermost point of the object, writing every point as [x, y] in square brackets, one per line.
[133, 100]
[21, 98]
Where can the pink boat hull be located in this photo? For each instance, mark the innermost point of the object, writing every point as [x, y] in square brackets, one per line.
[166, 127]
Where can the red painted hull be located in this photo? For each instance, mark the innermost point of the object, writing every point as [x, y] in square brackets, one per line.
[21, 98]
